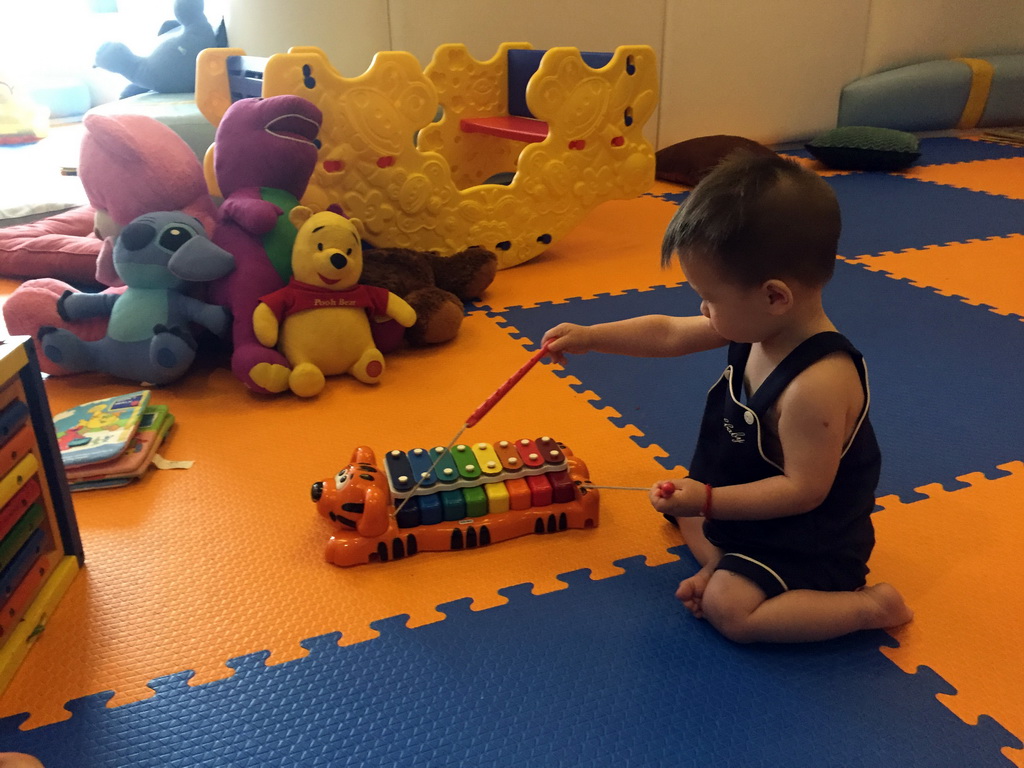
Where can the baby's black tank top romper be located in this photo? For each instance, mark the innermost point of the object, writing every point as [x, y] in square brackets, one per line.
[826, 548]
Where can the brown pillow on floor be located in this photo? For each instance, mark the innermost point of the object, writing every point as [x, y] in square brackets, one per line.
[689, 161]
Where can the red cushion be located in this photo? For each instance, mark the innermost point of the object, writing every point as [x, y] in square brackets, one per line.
[61, 246]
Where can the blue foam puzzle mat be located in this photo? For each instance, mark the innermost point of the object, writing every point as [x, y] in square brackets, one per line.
[603, 673]
[892, 213]
[678, 198]
[940, 150]
[885, 213]
[935, 364]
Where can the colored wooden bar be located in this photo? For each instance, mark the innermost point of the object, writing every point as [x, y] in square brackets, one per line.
[14, 356]
[529, 454]
[13, 481]
[15, 570]
[563, 489]
[508, 455]
[446, 470]
[34, 619]
[549, 450]
[420, 461]
[15, 508]
[399, 471]
[487, 459]
[18, 603]
[12, 418]
[497, 498]
[476, 501]
[466, 462]
[431, 509]
[15, 449]
[20, 532]
[408, 516]
[454, 505]
[540, 490]
[518, 493]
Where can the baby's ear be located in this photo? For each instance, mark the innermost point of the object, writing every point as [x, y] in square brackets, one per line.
[778, 294]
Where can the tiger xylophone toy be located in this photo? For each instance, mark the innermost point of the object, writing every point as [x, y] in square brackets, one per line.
[466, 497]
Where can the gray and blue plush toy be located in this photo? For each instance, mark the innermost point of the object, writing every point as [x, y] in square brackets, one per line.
[171, 66]
[148, 337]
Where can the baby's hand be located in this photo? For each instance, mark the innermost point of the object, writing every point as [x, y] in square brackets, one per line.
[686, 500]
[567, 337]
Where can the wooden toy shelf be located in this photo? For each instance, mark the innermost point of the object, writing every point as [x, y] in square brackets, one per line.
[40, 547]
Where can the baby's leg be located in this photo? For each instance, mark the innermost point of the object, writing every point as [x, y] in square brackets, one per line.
[738, 609]
[692, 529]
[691, 591]
[18, 760]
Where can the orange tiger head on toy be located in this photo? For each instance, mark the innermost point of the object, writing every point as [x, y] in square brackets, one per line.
[358, 497]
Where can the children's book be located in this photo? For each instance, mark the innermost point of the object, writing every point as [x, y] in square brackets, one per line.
[100, 430]
[135, 459]
[97, 482]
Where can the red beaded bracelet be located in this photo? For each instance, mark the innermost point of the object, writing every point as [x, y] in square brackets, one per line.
[706, 511]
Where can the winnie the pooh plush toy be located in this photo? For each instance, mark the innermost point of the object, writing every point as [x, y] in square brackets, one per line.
[320, 320]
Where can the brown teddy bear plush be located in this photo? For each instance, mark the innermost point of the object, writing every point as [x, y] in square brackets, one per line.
[435, 286]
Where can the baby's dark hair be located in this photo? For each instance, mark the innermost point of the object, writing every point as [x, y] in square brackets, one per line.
[755, 218]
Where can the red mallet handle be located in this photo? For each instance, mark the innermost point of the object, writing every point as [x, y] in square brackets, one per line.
[501, 391]
[666, 489]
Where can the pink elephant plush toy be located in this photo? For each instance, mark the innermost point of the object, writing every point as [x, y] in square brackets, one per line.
[129, 165]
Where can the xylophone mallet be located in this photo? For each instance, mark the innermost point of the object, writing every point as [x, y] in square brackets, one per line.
[666, 489]
[479, 413]
[501, 391]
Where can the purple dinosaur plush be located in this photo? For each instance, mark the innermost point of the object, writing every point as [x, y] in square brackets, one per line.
[264, 154]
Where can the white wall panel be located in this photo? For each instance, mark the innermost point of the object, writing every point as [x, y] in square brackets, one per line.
[420, 26]
[770, 72]
[904, 32]
[349, 31]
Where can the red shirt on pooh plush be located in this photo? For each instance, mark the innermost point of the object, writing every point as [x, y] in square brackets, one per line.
[298, 297]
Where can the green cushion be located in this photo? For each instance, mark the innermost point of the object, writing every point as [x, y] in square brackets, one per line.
[862, 148]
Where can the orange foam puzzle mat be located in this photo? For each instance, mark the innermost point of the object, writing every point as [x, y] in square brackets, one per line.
[207, 628]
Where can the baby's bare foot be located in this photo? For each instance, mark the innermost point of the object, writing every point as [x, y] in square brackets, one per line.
[691, 591]
[18, 760]
[892, 610]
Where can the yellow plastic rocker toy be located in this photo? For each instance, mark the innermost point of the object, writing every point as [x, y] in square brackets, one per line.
[509, 154]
